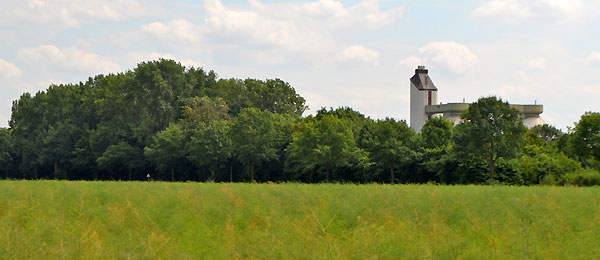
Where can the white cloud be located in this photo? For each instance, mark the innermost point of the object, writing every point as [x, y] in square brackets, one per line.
[73, 13]
[451, 55]
[513, 11]
[299, 27]
[72, 58]
[33, 87]
[263, 27]
[358, 53]
[366, 13]
[411, 62]
[511, 91]
[8, 69]
[594, 58]
[180, 30]
[185, 62]
[139, 57]
[535, 63]
[36, 3]
[315, 101]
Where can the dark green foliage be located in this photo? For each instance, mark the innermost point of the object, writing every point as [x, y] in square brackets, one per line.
[63, 132]
[204, 110]
[275, 96]
[547, 132]
[544, 164]
[355, 119]
[166, 150]
[211, 146]
[490, 130]
[181, 123]
[6, 152]
[122, 156]
[437, 132]
[389, 144]
[437, 162]
[323, 147]
[256, 138]
[585, 140]
[586, 177]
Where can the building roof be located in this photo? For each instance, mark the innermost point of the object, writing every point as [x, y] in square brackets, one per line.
[458, 108]
[421, 80]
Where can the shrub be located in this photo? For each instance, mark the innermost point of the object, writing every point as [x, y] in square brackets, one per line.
[585, 177]
[544, 165]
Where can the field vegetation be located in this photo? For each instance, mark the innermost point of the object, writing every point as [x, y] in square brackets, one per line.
[159, 220]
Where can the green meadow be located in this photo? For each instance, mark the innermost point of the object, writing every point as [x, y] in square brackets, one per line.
[156, 220]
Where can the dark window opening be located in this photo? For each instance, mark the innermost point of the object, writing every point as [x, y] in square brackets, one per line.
[429, 98]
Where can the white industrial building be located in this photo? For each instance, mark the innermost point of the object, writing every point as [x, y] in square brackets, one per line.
[424, 104]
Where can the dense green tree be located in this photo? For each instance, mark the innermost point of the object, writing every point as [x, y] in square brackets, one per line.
[355, 119]
[273, 95]
[437, 132]
[324, 146]
[57, 148]
[66, 128]
[544, 165]
[490, 130]
[547, 132]
[122, 155]
[585, 140]
[389, 144]
[437, 161]
[255, 138]
[167, 150]
[203, 110]
[6, 151]
[211, 146]
[27, 125]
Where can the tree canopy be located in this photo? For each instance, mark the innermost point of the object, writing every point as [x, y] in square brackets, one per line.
[490, 130]
[184, 123]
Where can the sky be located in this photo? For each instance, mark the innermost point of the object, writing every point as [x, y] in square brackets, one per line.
[357, 53]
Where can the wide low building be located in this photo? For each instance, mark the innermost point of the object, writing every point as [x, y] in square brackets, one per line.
[423, 104]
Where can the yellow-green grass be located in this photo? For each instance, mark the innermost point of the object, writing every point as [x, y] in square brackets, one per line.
[141, 220]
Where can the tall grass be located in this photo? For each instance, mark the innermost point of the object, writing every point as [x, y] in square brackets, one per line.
[140, 220]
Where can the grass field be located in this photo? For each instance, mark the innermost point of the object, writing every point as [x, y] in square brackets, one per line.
[140, 220]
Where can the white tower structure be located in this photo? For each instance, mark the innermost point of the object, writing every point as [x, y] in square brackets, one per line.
[422, 93]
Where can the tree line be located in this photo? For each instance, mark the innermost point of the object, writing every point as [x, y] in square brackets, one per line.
[186, 124]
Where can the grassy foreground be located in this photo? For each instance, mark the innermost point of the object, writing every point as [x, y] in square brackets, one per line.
[138, 220]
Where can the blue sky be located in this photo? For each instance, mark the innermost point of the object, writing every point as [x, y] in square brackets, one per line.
[357, 53]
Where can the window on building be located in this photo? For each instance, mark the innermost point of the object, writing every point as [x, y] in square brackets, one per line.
[429, 98]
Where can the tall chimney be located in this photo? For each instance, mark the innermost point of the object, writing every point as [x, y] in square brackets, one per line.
[421, 70]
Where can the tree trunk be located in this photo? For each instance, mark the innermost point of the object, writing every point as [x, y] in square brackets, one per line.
[392, 172]
[251, 173]
[35, 172]
[492, 165]
[172, 174]
[56, 170]
[129, 173]
[231, 171]
[327, 175]
[212, 174]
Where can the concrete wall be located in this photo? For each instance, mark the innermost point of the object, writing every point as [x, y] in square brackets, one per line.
[452, 111]
[418, 101]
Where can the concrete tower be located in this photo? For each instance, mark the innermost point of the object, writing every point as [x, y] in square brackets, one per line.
[422, 93]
